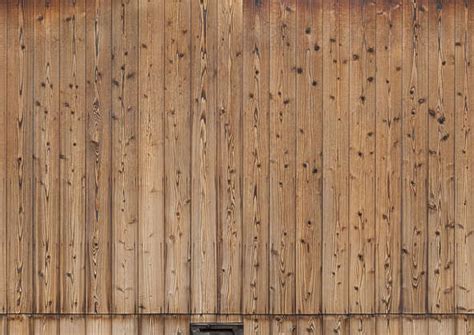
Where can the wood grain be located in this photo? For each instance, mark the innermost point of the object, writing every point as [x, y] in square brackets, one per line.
[72, 155]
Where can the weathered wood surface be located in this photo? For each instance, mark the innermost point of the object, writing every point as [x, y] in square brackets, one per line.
[237, 157]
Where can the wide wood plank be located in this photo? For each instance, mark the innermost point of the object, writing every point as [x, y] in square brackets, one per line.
[464, 158]
[204, 154]
[98, 155]
[72, 155]
[414, 326]
[283, 326]
[388, 156]
[46, 155]
[178, 153]
[72, 325]
[388, 325]
[125, 325]
[177, 325]
[445, 326]
[229, 139]
[257, 326]
[124, 155]
[19, 157]
[362, 325]
[151, 158]
[441, 104]
[309, 325]
[44, 325]
[335, 262]
[415, 159]
[20, 325]
[336, 325]
[98, 325]
[309, 150]
[152, 325]
[282, 155]
[255, 142]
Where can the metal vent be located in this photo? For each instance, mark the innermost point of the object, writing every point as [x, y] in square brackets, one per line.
[217, 329]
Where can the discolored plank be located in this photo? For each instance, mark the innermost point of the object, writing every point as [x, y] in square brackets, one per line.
[415, 159]
[282, 155]
[335, 257]
[3, 153]
[98, 155]
[151, 157]
[124, 155]
[255, 142]
[464, 159]
[362, 158]
[72, 155]
[309, 137]
[229, 139]
[441, 103]
[46, 155]
[204, 154]
[178, 152]
[19, 154]
[388, 153]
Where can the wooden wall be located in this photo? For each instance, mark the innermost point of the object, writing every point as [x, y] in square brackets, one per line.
[236, 157]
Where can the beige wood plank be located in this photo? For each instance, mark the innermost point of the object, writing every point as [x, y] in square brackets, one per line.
[464, 159]
[389, 325]
[3, 153]
[20, 325]
[204, 155]
[151, 160]
[414, 326]
[125, 325]
[464, 325]
[72, 325]
[259, 325]
[283, 326]
[336, 325]
[19, 132]
[388, 156]
[307, 325]
[255, 138]
[98, 155]
[309, 137]
[335, 48]
[44, 325]
[229, 139]
[282, 155]
[152, 325]
[441, 182]
[414, 153]
[178, 153]
[124, 155]
[98, 325]
[362, 159]
[445, 326]
[46, 155]
[72, 155]
[177, 325]
[362, 325]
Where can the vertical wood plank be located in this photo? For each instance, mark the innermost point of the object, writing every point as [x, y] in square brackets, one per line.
[72, 325]
[335, 230]
[72, 155]
[362, 325]
[19, 132]
[151, 159]
[229, 139]
[464, 159]
[464, 325]
[388, 156]
[98, 325]
[177, 325]
[46, 155]
[283, 326]
[255, 138]
[98, 155]
[309, 325]
[124, 154]
[445, 326]
[3, 153]
[362, 158]
[282, 155]
[414, 153]
[257, 326]
[414, 326]
[44, 325]
[152, 325]
[204, 154]
[178, 151]
[20, 325]
[336, 325]
[125, 325]
[309, 136]
[441, 104]
[388, 325]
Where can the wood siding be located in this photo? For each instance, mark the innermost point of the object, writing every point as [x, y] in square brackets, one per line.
[300, 165]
